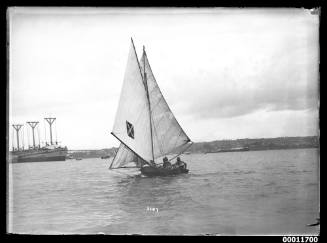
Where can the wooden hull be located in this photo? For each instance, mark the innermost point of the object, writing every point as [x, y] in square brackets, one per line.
[160, 171]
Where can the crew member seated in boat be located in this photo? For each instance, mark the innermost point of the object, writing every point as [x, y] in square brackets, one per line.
[152, 163]
[180, 163]
[166, 163]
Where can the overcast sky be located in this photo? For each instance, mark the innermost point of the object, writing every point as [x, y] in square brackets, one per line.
[225, 73]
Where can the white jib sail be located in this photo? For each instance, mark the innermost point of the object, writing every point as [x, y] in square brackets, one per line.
[123, 157]
[166, 132]
[132, 123]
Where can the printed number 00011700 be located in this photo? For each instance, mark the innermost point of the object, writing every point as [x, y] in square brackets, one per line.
[301, 239]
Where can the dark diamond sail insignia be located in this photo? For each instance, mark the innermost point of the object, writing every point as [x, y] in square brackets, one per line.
[130, 129]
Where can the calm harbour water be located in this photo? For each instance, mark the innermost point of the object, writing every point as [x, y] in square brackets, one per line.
[236, 193]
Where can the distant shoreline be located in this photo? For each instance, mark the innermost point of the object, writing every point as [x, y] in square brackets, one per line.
[262, 149]
[222, 146]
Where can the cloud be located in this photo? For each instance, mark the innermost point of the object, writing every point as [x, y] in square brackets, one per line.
[230, 102]
[284, 78]
[233, 103]
[209, 65]
[258, 124]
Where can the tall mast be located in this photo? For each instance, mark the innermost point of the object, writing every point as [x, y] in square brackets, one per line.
[17, 127]
[33, 125]
[50, 121]
[147, 95]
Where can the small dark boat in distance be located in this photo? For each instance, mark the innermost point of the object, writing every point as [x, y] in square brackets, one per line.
[105, 157]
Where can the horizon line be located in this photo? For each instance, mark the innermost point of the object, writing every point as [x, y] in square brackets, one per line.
[215, 141]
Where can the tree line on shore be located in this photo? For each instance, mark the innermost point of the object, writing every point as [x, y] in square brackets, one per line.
[247, 144]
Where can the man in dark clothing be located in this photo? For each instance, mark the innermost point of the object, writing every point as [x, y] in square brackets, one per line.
[166, 163]
[180, 163]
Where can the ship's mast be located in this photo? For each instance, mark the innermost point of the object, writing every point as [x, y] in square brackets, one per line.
[33, 125]
[17, 127]
[50, 121]
[147, 94]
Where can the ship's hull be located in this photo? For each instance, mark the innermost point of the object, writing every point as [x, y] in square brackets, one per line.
[38, 156]
[160, 171]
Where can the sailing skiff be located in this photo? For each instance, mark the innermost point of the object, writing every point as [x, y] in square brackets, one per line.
[144, 124]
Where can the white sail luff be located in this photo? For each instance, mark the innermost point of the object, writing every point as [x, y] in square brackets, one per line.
[132, 122]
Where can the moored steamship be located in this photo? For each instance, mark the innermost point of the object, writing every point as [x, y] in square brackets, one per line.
[36, 153]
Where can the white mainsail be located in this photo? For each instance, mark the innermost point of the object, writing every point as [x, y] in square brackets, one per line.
[166, 132]
[132, 123]
[144, 124]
